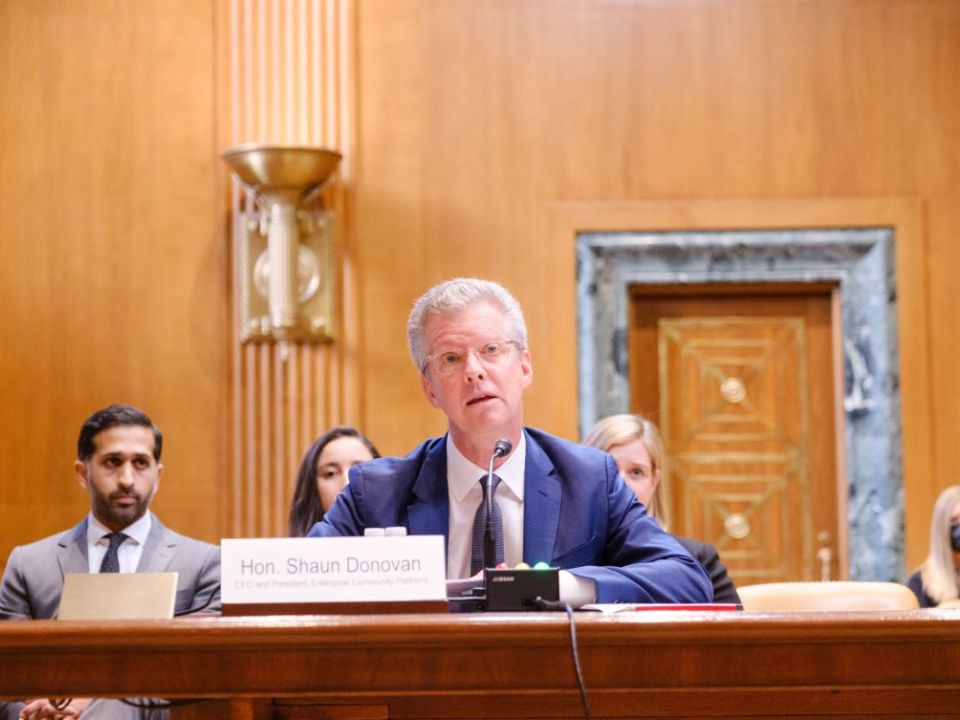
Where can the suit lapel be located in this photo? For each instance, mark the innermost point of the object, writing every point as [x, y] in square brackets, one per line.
[158, 549]
[428, 514]
[72, 554]
[541, 499]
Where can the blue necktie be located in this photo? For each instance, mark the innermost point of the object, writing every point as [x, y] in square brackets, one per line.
[111, 561]
[480, 523]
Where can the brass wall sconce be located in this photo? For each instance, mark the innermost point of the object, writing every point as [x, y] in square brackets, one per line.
[287, 275]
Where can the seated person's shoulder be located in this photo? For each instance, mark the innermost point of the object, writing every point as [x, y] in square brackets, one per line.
[700, 550]
[563, 452]
[46, 547]
[388, 469]
[193, 544]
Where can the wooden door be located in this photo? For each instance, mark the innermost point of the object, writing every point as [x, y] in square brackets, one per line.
[741, 380]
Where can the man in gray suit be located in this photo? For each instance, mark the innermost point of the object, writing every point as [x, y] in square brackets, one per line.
[118, 464]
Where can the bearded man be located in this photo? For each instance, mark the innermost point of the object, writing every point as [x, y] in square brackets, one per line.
[118, 464]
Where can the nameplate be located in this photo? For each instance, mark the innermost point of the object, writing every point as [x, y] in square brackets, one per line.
[332, 570]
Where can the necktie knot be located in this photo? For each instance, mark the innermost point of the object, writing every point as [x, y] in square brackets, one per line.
[111, 561]
[483, 485]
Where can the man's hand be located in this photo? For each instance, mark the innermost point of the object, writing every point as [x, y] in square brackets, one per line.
[43, 709]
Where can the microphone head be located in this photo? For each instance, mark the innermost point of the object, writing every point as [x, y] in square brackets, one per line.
[502, 447]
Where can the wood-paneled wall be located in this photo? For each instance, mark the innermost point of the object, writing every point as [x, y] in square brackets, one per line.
[288, 71]
[111, 262]
[465, 124]
[477, 118]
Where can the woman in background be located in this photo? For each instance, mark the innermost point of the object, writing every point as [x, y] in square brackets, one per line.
[938, 579]
[634, 442]
[323, 474]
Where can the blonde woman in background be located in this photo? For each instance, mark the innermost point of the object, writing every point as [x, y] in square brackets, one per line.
[634, 442]
[938, 579]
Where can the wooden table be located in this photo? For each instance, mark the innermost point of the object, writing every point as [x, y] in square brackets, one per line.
[635, 664]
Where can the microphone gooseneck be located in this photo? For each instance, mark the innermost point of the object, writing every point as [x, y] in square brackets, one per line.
[500, 448]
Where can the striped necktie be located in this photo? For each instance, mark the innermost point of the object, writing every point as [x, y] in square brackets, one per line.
[479, 525]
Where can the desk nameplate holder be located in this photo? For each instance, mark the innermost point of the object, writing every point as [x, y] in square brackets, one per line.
[344, 575]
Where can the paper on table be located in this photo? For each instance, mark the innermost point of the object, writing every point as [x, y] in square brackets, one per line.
[637, 607]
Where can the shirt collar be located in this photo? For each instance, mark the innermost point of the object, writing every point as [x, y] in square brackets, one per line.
[462, 475]
[137, 531]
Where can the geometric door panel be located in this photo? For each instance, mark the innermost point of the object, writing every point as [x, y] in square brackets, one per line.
[742, 381]
[735, 424]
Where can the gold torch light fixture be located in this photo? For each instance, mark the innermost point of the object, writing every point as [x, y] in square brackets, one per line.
[286, 270]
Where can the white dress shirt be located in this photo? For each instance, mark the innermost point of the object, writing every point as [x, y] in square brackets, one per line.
[463, 487]
[130, 550]
[465, 495]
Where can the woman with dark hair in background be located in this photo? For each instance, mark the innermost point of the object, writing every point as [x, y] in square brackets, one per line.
[323, 474]
[938, 579]
[635, 444]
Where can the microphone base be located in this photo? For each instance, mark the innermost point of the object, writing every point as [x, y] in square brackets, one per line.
[510, 590]
[467, 603]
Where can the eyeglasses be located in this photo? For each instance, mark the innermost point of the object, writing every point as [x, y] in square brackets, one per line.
[492, 352]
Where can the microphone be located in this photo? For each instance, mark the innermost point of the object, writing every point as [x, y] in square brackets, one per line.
[500, 448]
[507, 589]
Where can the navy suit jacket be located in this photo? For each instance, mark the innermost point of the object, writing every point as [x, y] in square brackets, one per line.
[578, 515]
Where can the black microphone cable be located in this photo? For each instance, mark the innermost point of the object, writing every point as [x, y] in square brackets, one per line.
[574, 649]
[147, 704]
[160, 704]
[156, 708]
[151, 703]
[181, 613]
[204, 606]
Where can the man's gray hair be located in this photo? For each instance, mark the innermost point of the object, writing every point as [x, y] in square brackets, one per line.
[451, 297]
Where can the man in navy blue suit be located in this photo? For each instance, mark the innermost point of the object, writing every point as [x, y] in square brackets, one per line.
[558, 501]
